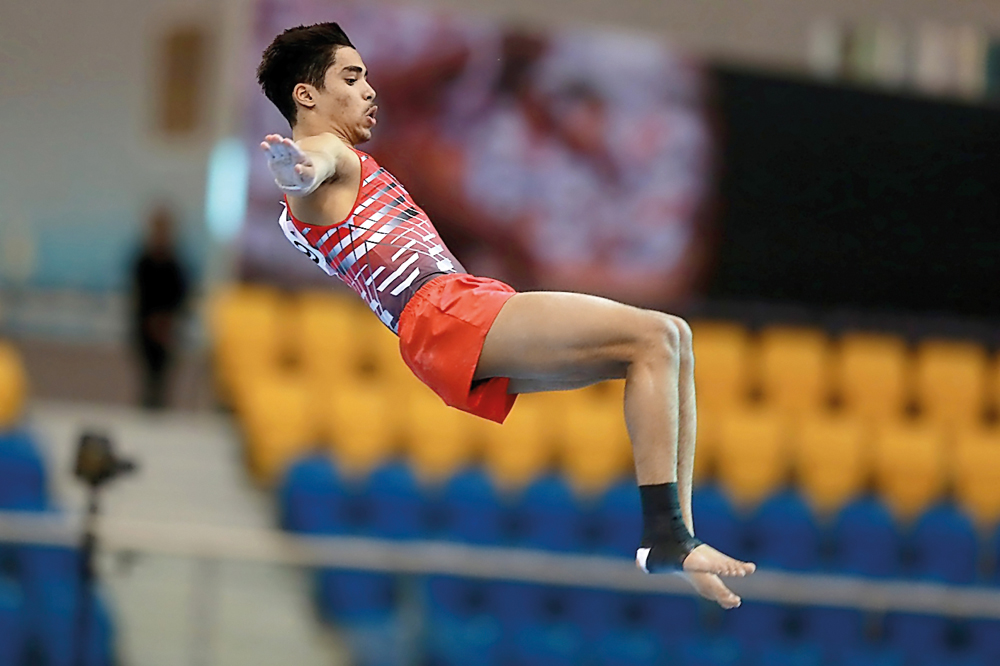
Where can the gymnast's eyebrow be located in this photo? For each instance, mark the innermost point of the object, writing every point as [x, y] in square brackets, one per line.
[353, 68]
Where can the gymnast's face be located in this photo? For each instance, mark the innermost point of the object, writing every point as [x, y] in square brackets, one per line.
[347, 101]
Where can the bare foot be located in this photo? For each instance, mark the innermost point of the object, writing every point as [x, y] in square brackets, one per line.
[705, 559]
[712, 588]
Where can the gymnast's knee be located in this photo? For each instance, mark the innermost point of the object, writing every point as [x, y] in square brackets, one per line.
[660, 338]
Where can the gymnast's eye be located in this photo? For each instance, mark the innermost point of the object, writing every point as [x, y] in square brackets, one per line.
[350, 82]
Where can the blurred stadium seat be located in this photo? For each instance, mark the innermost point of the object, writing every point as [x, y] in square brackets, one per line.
[794, 368]
[361, 425]
[716, 521]
[911, 466]
[13, 624]
[22, 473]
[247, 327]
[945, 546]
[311, 497]
[277, 423]
[473, 510]
[723, 364]
[594, 450]
[866, 539]
[518, 451]
[548, 516]
[832, 464]
[918, 635]
[13, 386]
[618, 519]
[324, 337]
[951, 381]
[752, 460]
[785, 534]
[872, 375]
[834, 630]
[439, 440]
[976, 458]
[396, 504]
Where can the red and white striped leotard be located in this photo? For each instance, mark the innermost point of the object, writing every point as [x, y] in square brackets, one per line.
[385, 250]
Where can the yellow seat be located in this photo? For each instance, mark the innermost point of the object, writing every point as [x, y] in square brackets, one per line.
[910, 465]
[722, 364]
[13, 386]
[325, 337]
[832, 465]
[520, 450]
[752, 461]
[707, 447]
[438, 440]
[362, 425]
[794, 369]
[951, 381]
[594, 451]
[977, 474]
[872, 375]
[277, 424]
[246, 326]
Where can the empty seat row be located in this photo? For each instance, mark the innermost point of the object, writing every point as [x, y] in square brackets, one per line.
[871, 375]
[834, 457]
[332, 335]
[863, 538]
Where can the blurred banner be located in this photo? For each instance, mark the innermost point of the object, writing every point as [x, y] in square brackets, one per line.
[573, 160]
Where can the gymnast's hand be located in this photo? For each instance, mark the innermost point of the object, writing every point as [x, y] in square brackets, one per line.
[293, 170]
[712, 588]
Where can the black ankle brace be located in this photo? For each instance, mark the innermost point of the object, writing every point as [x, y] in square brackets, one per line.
[664, 533]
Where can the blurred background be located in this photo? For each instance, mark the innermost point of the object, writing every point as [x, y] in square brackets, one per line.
[814, 185]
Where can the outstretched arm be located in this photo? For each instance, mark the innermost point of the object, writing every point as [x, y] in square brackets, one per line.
[300, 168]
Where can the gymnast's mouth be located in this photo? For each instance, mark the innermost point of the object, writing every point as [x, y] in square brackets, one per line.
[371, 115]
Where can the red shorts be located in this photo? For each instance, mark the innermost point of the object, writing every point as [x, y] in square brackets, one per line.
[441, 335]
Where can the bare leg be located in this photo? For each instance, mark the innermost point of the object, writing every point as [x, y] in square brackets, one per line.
[551, 338]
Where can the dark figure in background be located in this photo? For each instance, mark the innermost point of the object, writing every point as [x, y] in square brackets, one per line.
[159, 291]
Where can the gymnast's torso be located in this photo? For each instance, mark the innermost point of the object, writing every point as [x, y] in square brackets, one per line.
[386, 248]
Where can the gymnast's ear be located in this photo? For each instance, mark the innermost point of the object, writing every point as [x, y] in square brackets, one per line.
[305, 95]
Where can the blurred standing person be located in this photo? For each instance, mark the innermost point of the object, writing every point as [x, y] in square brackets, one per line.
[159, 289]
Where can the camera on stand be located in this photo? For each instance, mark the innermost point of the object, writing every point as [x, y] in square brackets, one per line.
[96, 461]
[96, 464]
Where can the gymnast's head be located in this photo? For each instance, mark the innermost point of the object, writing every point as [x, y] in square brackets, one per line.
[319, 83]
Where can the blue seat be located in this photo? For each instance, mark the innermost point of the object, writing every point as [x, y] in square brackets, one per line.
[866, 540]
[790, 654]
[785, 534]
[627, 647]
[472, 511]
[618, 520]
[22, 473]
[455, 641]
[355, 596]
[547, 644]
[396, 501]
[833, 629]
[457, 597]
[517, 604]
[53, 627]
[984, 637]
[716, 522]
[945, 546]
[918, 635]
[13, 623]
[757, 623]
[674, 617]
[953, 660]
[41, 565]
[711, 652]
[871, 655]
[312, 497]
[549, 516]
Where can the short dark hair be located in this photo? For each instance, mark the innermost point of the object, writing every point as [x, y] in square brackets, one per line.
[298, 55]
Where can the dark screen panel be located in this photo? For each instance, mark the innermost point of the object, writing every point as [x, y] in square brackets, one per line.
[845, 197]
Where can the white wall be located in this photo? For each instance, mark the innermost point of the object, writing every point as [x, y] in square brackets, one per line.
[80, 160]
